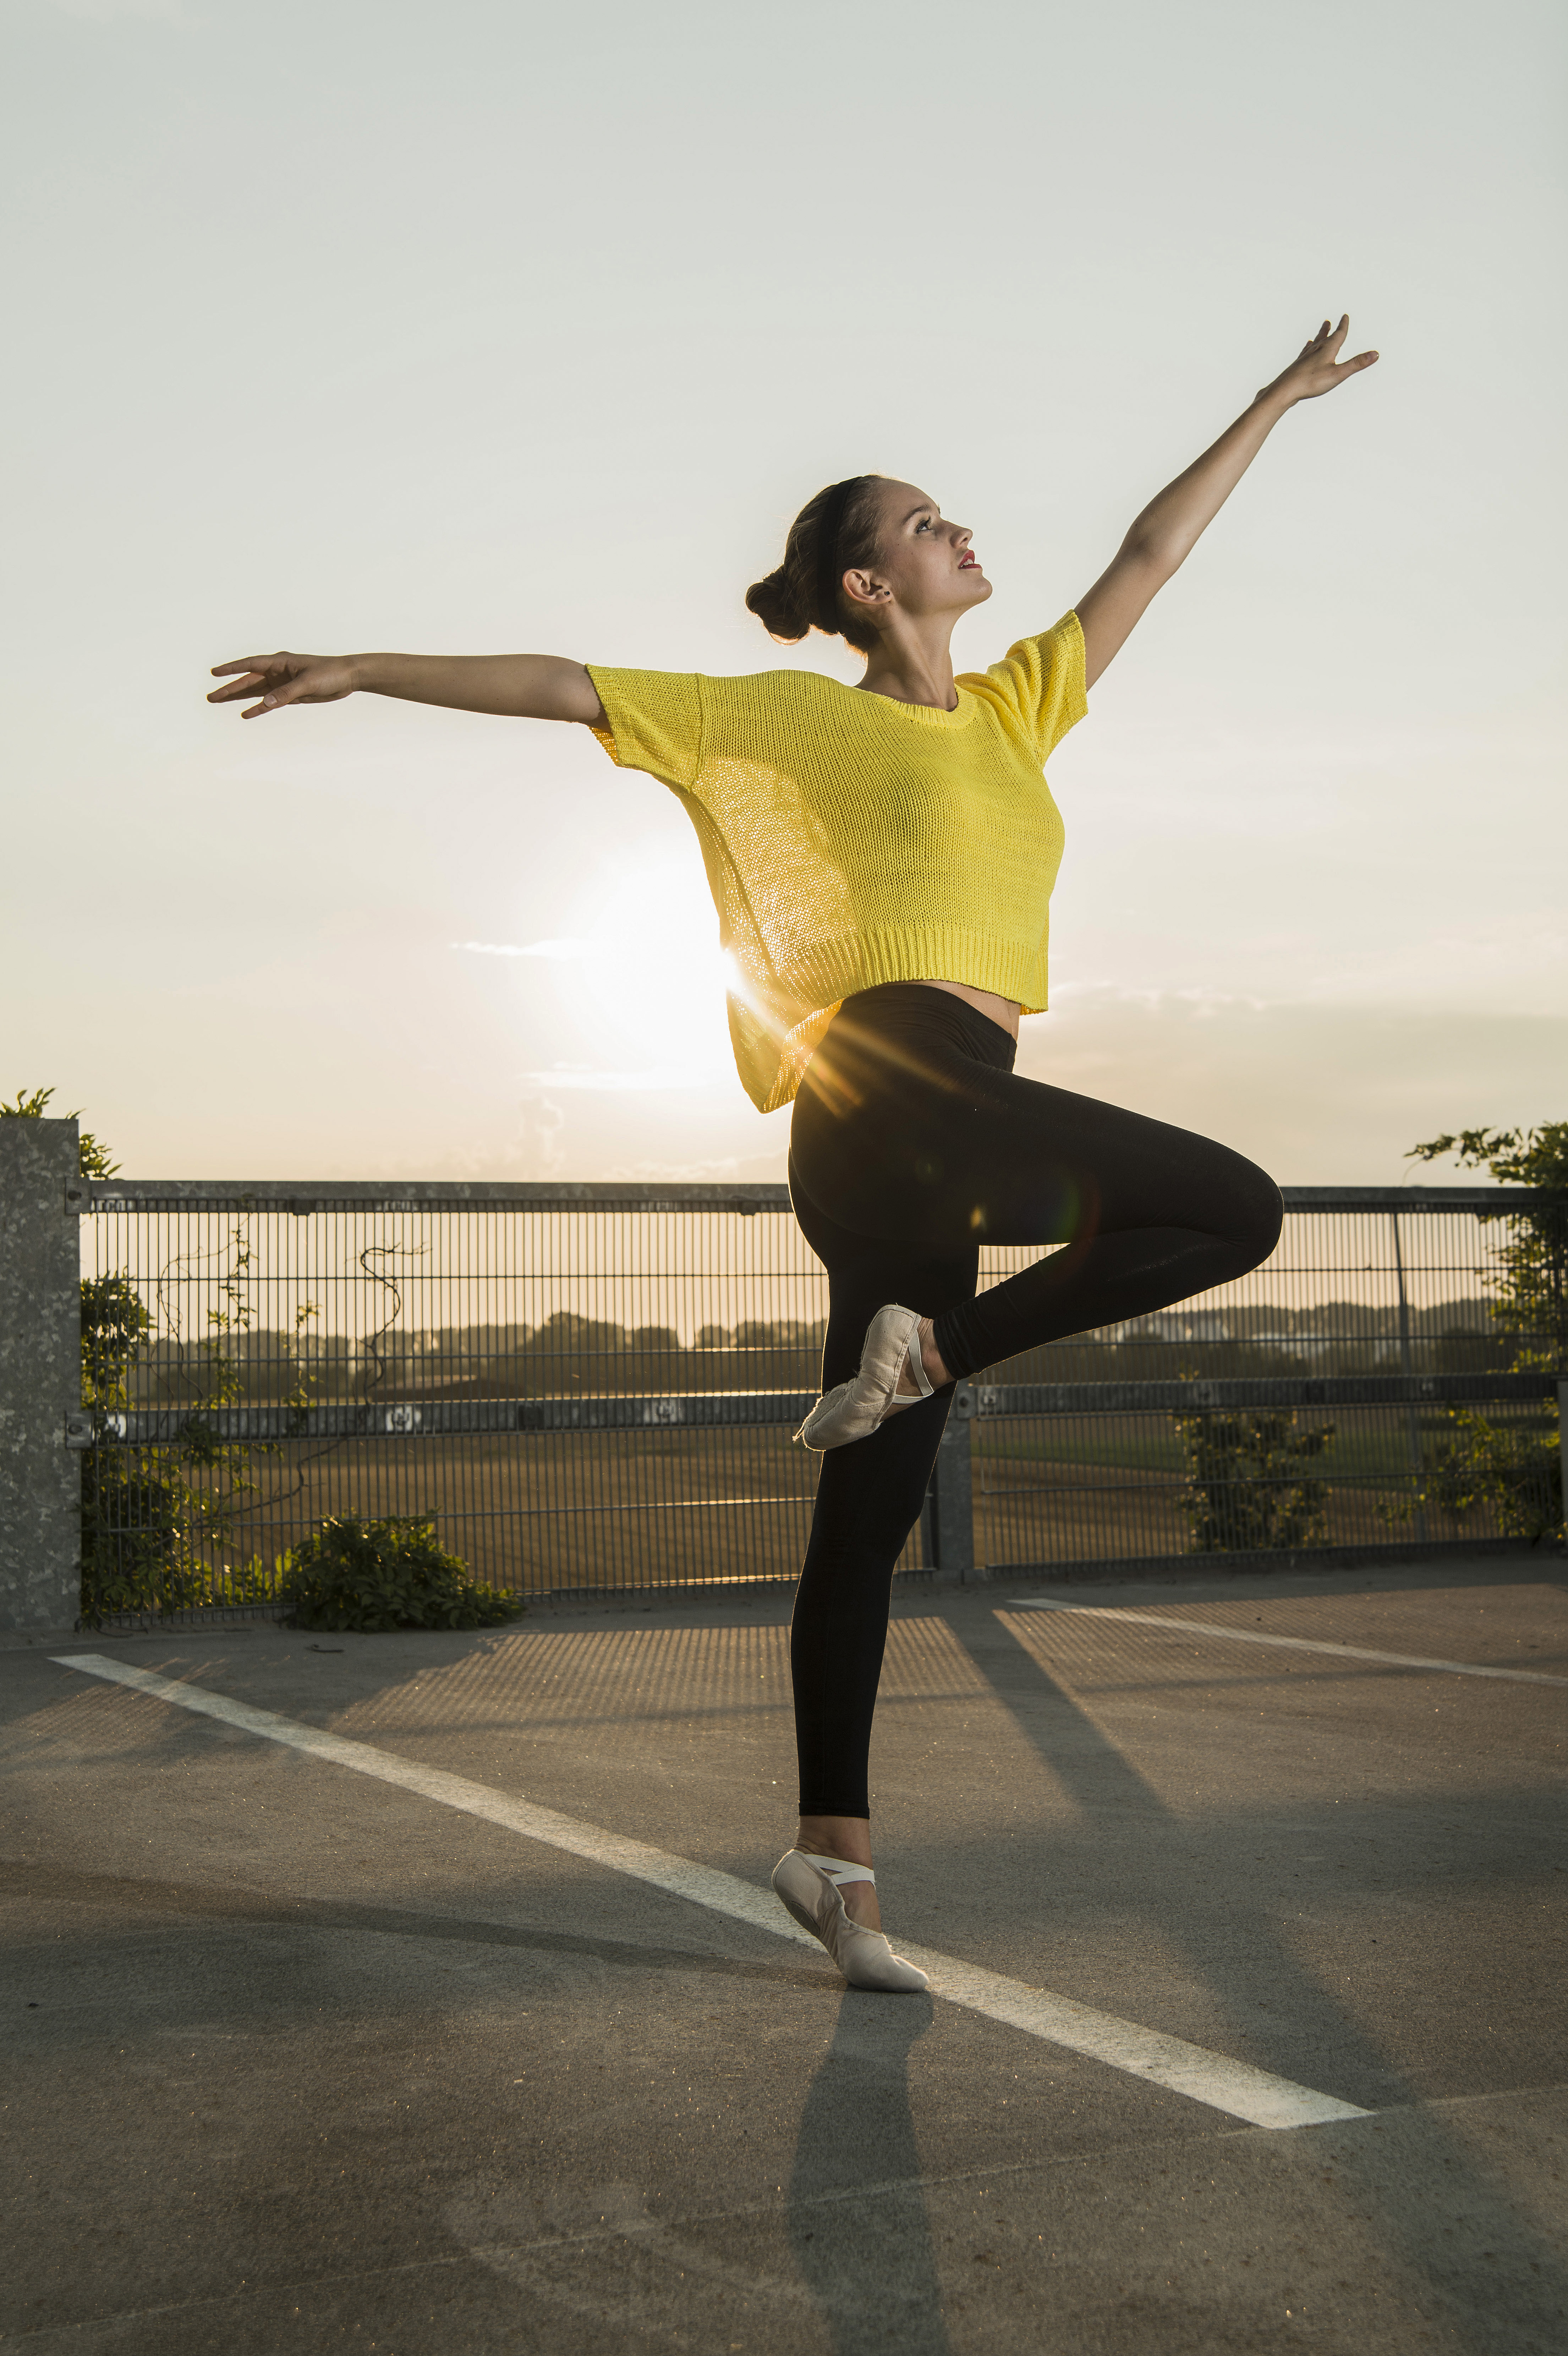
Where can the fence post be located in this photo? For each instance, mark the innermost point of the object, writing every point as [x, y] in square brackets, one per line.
[1407, 1367]
[952, 1511]
[40, 1376]
[1562, 1450]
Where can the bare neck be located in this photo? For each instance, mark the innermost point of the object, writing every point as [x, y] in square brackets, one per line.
[913, 662]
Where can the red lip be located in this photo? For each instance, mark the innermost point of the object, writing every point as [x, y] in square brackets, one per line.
[970, 561]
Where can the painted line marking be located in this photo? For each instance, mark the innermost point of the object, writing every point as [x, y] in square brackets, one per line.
[1235, 2087]
[1294, 1644]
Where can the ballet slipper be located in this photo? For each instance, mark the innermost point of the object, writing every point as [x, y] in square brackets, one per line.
[853, 1410]
[808, 1886]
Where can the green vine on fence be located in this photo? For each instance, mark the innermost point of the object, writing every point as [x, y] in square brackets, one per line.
[154, 1514]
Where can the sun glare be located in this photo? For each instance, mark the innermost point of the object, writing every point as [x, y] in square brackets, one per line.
[648, 971]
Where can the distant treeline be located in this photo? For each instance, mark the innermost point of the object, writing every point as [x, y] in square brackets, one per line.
[569, 1353]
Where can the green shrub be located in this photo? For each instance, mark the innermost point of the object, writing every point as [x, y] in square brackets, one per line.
[135, 1556]
[234, 1584]
[1514, 1470]
[372, 1576]
[1247, 1483]
[1517, 1472]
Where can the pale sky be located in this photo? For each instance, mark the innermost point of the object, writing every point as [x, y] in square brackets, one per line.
[483, 326]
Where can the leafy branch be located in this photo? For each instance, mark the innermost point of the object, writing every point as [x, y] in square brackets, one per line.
[1516, 1470]
[92, 1157]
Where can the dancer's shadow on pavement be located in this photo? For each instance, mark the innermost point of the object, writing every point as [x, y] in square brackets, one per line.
[1196, 1894]
[858, 2222]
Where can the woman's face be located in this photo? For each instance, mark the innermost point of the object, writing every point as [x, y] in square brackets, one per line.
[924, 564]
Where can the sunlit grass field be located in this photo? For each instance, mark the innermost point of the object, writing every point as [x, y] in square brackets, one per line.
[538, 1511]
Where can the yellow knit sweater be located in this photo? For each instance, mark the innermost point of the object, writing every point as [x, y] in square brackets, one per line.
[850, 840]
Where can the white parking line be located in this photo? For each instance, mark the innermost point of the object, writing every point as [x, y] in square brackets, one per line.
[1235, 2087]
[1293, 1643]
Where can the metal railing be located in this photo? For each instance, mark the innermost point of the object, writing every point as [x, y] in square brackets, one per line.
[594, 1387]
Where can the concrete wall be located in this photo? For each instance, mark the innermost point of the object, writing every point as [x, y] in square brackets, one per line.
[40, 1376]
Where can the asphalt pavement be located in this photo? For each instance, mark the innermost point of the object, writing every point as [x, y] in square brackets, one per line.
[474, 2028]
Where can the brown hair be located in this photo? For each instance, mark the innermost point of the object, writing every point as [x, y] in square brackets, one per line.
[836, 529]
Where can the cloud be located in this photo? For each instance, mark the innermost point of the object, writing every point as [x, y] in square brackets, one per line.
[542, 1128]
[734, 1169]
[559, 951]
[579, 1075]
[109, 12]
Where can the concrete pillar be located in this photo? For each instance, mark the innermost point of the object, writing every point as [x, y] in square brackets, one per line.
[952, 1509]
[40, 1376]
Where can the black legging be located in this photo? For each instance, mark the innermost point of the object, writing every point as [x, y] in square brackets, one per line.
[914, 1143]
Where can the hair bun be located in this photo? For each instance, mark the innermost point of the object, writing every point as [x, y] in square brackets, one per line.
[777, 604]
[836, 529]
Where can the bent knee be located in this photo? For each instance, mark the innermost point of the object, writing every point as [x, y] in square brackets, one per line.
[1256, 1211]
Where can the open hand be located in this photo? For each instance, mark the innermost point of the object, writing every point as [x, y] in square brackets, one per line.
[1318, 369]
[285, 679]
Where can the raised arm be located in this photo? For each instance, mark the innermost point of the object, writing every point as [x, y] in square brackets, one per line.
[519, 687]
[1163, 536]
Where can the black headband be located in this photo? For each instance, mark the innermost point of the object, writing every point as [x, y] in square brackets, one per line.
[828, 571]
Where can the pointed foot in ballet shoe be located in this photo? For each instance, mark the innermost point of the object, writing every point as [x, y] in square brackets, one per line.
[863, 1956]
[853, 1410]
[867, 1961]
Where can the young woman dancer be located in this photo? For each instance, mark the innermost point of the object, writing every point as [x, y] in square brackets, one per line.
[882, 858]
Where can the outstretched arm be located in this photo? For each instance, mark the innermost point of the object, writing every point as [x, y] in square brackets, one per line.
[1163, 536]
[520, 686]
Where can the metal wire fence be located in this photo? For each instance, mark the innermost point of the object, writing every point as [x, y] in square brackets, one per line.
[595, 1387]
